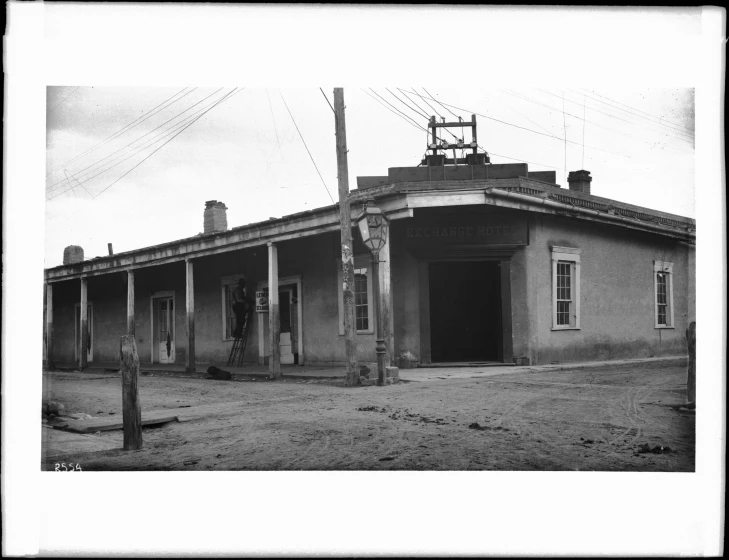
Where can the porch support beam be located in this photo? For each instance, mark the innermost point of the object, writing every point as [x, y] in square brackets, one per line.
[190, 308]
[84, 327]
[386, 301]
[274, 319]
[130, 303]
[49, 326]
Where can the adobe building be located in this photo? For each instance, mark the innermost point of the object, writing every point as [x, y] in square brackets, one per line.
[484, 263]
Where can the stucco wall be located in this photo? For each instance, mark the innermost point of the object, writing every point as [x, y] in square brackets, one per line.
[617, 292]
[519, 303]
[617, 307]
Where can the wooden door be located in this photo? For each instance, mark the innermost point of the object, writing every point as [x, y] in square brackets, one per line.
[286, 299]
[166, 330]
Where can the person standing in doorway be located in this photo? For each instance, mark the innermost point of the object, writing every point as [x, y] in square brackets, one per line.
[241, 305]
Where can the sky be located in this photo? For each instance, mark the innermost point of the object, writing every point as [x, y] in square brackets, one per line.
[118, 172]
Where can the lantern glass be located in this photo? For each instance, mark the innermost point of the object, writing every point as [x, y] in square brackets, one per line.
[364, 230]
[373, 228]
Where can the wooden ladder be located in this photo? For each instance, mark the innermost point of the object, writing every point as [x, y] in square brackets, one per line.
[239, 345]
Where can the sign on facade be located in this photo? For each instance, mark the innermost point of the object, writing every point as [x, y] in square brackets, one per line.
[486, 230]
[262, 302]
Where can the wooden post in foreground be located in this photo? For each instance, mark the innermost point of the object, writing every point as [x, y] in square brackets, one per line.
[131, 409]
[691, 381]
[345, 222]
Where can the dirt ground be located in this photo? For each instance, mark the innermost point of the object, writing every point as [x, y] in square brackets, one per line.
[596, 419]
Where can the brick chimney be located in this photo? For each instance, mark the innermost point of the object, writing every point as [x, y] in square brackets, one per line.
[215, 218]
[580, 181]
[73, 254]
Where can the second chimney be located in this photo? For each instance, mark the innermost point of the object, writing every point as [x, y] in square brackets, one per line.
[215, 218]
[580, 181]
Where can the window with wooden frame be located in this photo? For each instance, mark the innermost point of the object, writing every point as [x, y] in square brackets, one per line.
[663, 294]
[363, 302]
[565, 288]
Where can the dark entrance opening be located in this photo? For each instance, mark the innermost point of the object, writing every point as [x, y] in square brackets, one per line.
[465, 311]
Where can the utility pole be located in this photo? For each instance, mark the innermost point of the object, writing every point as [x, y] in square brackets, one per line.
[345, 220]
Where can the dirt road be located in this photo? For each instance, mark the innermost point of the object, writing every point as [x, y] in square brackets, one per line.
[597, 419]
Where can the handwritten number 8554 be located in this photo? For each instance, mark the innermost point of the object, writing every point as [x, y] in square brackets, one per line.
[70, 468]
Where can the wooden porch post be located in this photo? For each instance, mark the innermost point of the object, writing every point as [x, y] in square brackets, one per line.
[49, 326]
[274, 320]
[386, 301]
[130, 303]
[83, 330]
[190, 304]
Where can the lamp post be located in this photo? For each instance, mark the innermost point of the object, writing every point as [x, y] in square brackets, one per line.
[373, 226]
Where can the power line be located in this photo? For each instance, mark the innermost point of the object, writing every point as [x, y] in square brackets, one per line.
[551, 108]
[274, 122]
[78, 173]
[439, 103]
[483, 149]
[687, 135]
[325, 97]
[123, 129]
[307, 147]
[533, 131]
[564, 121]
[685, 139]
[396, 109]
[226, 96]
[423, 114]
[79, 184]
[64, 99]
[523, 115]
[413, 101]
[408, 106]
[583, 132]
[426, 102]
[86, 170]
[149, 143]
[520, 159]
[396, 114]
[658, 120]
[153, 141]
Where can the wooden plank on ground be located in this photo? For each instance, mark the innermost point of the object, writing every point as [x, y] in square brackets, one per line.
[92, 425]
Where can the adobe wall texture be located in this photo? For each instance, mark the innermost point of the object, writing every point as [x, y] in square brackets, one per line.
[617, 307]
[617, 293]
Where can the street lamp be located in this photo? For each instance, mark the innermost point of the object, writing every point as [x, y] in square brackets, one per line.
[373, 228]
